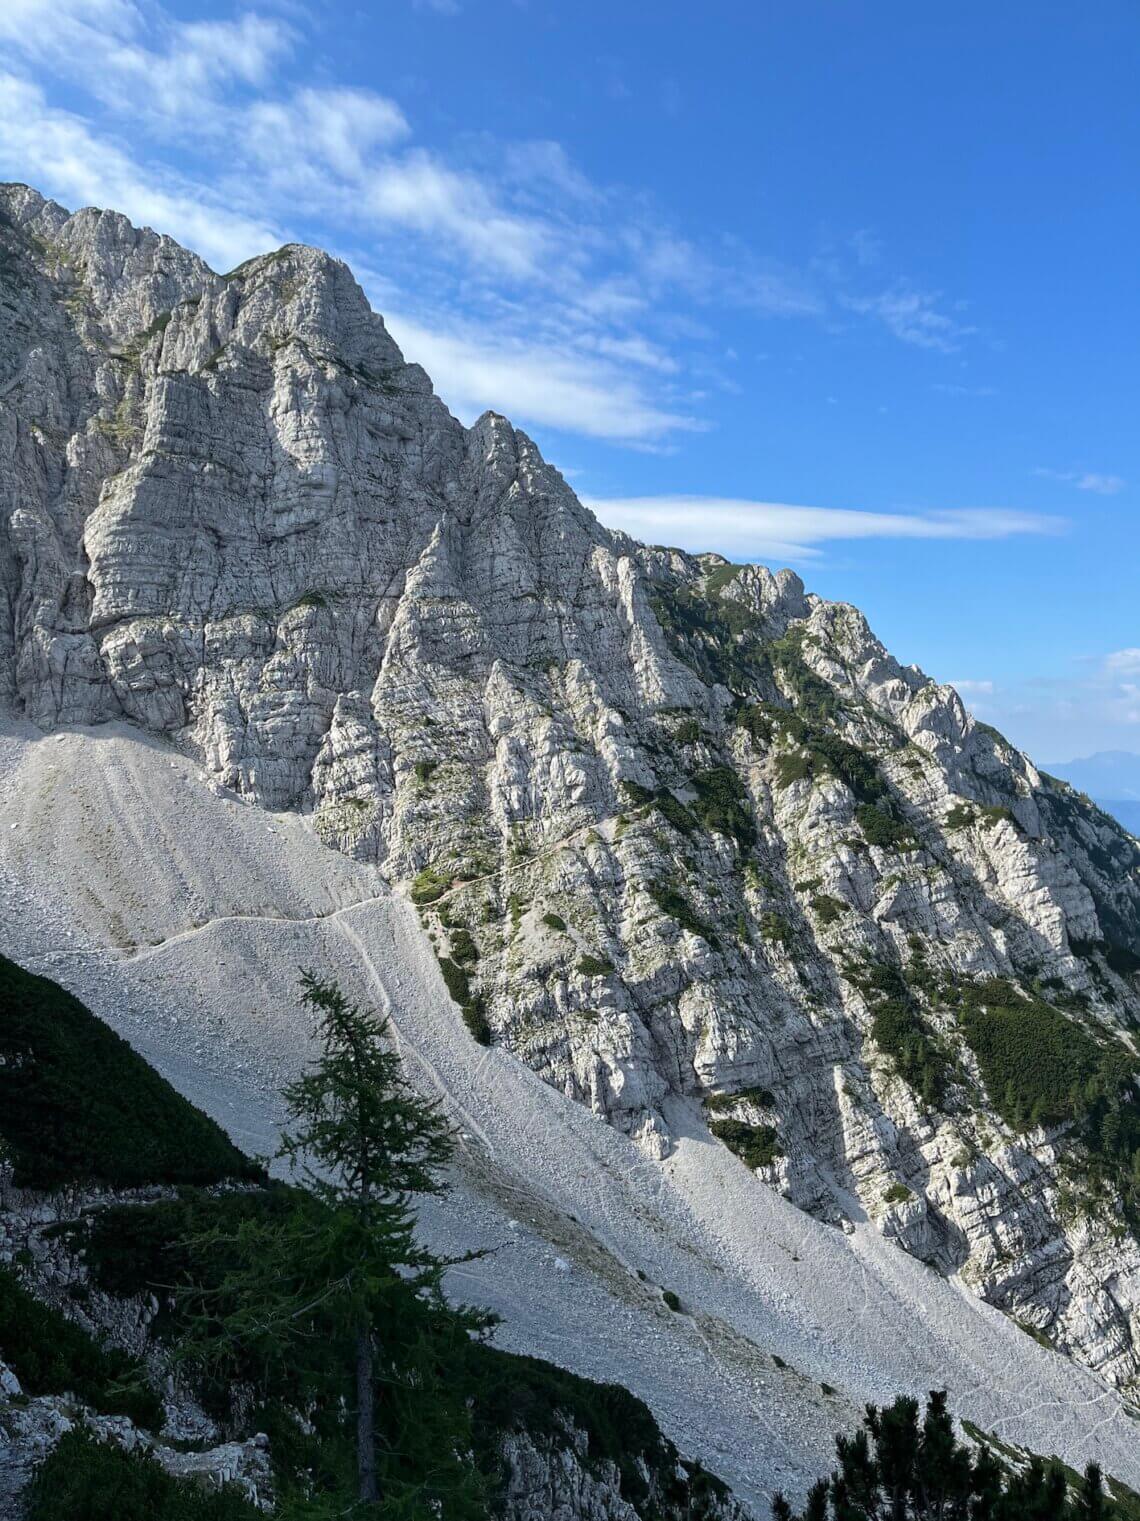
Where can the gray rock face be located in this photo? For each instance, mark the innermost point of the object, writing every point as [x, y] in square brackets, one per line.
[678, 826]
[554, 1478]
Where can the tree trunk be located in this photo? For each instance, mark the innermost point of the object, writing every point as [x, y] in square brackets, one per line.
[365, 1418]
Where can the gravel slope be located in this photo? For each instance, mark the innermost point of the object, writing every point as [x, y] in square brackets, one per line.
[180, 915]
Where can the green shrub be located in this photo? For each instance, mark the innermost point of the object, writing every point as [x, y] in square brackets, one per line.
[792, 766]
[755, 1145]
[475, 1019]
[424, 770]
[1034, 1061]
[664, 802]
[555, 922]
[828, 909]
[961, 816]
[675, 906]
[687, 732]
[595, 966]
[775, 928]
[456, 979]
[722, 804]
[463, 947]
[754, 720]
[470, 1004]
[898, 1193]
[86, 1480]
[77, 1103]
[881, 829]
[899, 1032]
[50, 1354]
[717, 1103]
[429, 885]
[672, 1300]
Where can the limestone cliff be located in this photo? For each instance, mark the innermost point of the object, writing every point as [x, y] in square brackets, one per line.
[676, 825]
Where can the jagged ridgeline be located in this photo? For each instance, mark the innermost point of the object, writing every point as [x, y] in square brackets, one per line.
[683, 832]
[107, 1269]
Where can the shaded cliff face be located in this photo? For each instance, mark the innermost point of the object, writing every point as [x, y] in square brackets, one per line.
[679, 829]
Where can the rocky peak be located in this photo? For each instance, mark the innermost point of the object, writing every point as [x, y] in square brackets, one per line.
[688, 834]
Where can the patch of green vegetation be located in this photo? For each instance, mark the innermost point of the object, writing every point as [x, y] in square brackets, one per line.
[687, 732]
[828, 909]
[428, 886]
[676, 906]
[755, 1145]
[50, 1354]
[475, 1018]
[134, 347]
[722, 805]
[463, 946]
[664, 802]
[716, 580]
[1035, 1332]
[312, 599]
[792, 766]
[961, 816]
[1035, 1062]
[719, 1103]
[881, 829]
[997, 814]
[86, 1480]
[898, 1030]
[456, 979]
[118, 427]
[908, 1464]
[813, 699]
[705, 635]
[595, 966]
[555, 922]
[775, 928]
[898, 1193]
[77, 1103]
[424, 770]
[470, 1003]
[754, 720]
[671, 1300]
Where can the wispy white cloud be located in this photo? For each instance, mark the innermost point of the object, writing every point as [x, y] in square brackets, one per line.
[913, 316]
[971, 687]
[474, 370]
[1122, 663]
[588, 308]
[778, 530]
[85, 168]
[151, 65]
[1086, 480]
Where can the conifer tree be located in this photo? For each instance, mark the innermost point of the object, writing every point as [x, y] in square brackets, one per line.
[341, 1268]
[895, 1468]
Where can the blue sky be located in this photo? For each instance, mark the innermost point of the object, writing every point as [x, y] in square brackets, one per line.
[847, 286]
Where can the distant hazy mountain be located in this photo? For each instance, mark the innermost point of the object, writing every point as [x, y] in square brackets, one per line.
[1111, 778]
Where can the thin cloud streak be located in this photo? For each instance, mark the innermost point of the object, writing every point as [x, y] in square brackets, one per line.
[771, 530]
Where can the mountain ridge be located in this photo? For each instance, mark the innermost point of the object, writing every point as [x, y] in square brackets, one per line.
[678, 828]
